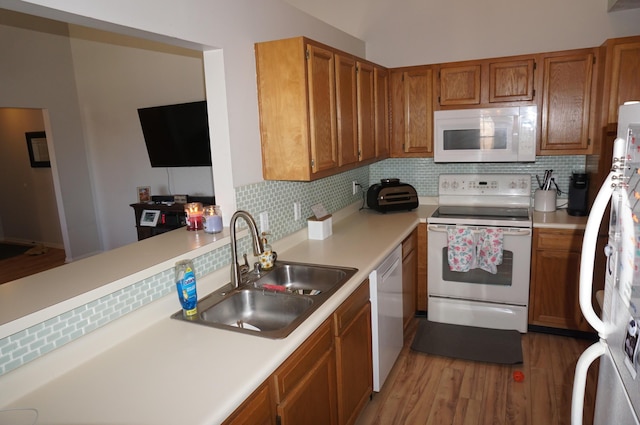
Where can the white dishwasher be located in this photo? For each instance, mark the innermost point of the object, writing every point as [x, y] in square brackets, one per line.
[385, 286]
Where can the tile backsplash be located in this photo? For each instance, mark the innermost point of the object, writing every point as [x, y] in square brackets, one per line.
[423, 173]
[277, 199]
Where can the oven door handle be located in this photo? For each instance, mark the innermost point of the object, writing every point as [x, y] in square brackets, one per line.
[506, 231]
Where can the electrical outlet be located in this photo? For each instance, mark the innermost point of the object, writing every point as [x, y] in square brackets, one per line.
[296, 211]
[355, 187]
[264, 221]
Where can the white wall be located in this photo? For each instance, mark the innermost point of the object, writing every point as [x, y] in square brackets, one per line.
[232, 26]
[43, 79]
[116, 75]
[109, 77]
[28, 211]
[414, 32]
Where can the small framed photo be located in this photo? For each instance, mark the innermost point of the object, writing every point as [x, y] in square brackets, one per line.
[180, 199]
[149, 218]
[144, 194]
[38, 150]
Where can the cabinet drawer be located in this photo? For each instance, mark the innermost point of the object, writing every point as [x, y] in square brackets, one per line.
[560, 239]
[302, 361]
[350, 308]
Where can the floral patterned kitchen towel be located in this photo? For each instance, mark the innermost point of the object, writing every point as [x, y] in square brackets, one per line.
[490, 241]
[461, 248]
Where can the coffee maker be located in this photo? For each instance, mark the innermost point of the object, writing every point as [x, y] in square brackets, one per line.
[578, 192]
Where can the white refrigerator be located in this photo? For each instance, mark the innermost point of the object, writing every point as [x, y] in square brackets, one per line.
[618, 391]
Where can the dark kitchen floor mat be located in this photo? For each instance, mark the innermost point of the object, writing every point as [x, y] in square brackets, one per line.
[8, 250]
[468, 343]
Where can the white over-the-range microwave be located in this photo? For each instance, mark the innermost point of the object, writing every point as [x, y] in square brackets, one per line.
[486, 135]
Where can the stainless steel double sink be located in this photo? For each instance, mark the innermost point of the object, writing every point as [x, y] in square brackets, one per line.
[271, 304]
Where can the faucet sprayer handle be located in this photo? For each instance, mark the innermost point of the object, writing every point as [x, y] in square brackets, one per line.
[244, 268]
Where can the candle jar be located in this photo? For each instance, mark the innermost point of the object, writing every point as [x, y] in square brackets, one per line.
[194, 213]
[212, 219]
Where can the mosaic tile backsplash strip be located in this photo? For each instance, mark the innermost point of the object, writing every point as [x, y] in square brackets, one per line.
[422, 173]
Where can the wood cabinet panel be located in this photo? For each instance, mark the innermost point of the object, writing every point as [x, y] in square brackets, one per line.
[354, 364]
[511, 81]
[409, 277]
[566, 103]
[366, 111]
[296, 100]
[382, 138]
[305, 384]
[418, 95]
[422, 283]
[322, 113]
[292, 371]
[625, 69]
[459, 85]
[258, 409]
[412, 113]
[555, 270]
[313, 400]
[346, 110]
[319, 114]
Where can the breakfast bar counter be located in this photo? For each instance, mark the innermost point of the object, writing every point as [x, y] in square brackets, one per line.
[146, 368]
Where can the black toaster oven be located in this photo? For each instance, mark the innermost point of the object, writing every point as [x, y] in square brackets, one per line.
[392, 195]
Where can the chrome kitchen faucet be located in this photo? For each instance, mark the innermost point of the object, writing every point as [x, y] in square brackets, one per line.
[236, 270]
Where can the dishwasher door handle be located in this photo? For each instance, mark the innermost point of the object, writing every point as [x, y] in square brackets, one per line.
[506, 231]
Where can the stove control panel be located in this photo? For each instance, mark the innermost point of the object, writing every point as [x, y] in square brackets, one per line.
[484, 185]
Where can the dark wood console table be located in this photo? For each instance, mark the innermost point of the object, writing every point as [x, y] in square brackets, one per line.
[171, 217]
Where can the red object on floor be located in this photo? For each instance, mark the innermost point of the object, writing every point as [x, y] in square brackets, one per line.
[518, 376]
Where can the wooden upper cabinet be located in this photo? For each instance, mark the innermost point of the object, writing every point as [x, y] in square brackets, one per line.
[511, 81]
[412, 112]
[623, 69]
[296, 100]
[366, 111]
[459, 85]
[346, 111]
[381, 88]
[322, 115]
[317, 110]
[567, 102]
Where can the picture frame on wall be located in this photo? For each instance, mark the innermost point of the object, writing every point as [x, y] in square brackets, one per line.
[144, 194]
[38, 150]
[149, 218]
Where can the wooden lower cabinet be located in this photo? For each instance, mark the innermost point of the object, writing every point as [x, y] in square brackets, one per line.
[409, 276]
[258, 409]
[422, 284]
[555, 271]
[305, 384]
[327, 381]
[352, 323]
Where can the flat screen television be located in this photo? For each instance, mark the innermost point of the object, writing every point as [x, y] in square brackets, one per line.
[177, 135]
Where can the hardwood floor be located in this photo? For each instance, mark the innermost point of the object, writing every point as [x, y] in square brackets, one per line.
[24, 265]
[429, 390]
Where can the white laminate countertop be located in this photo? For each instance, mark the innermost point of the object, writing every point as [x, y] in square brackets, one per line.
[558, 219]
[173, 372]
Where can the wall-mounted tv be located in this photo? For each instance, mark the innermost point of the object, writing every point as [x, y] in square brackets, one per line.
[177, 135]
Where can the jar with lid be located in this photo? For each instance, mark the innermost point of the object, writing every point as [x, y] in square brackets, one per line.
[194, 212]
[212, 219]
